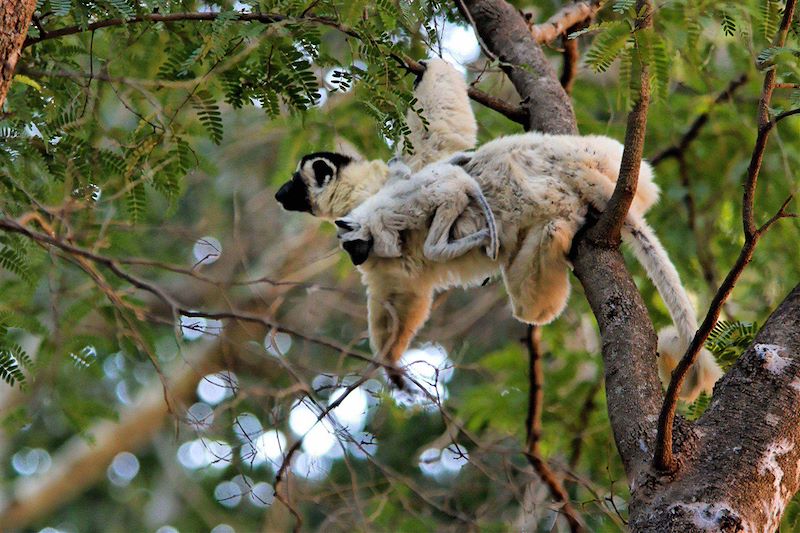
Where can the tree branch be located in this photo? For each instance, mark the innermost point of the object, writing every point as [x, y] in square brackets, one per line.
[563, 20]
[534, 429]
[677, 149]
[609, 226]
[742, 466]
[15, 17]
[515, 113]
[664, 458]
[506, 33]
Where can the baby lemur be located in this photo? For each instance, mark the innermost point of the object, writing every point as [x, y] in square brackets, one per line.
[434, 199]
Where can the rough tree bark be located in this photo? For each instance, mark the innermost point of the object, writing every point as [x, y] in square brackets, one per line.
[740, 463]
[15, 17]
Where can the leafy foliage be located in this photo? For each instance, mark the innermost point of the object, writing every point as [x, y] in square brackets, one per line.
[137, 141]
[728, 340]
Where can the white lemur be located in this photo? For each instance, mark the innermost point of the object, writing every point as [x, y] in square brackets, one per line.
[539, 188]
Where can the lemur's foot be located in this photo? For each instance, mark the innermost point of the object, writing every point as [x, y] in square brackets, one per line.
[397, 377]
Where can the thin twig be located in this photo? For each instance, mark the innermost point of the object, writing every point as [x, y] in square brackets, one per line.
[677, 149]
[534, 429]
[176, 307]
[664, 459]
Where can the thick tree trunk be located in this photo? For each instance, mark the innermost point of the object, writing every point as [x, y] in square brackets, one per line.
[739, 464]
[15, 17]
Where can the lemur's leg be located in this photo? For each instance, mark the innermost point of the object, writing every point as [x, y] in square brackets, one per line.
[396, 309]
[438, 246]
[537, 279]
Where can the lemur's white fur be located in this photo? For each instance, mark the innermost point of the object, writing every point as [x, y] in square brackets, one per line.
[441, 198]
[442, 95]
[539, 188]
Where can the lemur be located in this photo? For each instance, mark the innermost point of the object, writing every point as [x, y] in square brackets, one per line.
[539, 188]
[434, 199]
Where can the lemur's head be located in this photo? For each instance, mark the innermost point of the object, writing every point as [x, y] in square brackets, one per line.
[315, 173]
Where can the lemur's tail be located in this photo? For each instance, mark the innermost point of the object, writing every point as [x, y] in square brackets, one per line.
[493, 250]
[672, 341]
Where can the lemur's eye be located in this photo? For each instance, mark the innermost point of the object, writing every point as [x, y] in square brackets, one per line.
[323, 171]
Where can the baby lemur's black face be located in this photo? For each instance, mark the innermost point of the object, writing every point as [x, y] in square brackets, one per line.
[314, 172]
[357, 249]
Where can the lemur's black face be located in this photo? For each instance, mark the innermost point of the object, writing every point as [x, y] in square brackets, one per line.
[293, 195]
[314, 172]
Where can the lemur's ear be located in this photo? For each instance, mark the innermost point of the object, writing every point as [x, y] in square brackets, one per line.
[345, 147]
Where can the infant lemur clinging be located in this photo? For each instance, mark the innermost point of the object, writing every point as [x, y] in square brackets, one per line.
[539, 188]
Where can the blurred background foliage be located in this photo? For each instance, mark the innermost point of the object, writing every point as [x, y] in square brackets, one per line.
[161, 144]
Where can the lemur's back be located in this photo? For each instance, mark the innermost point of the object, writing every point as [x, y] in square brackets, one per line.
[589, 164]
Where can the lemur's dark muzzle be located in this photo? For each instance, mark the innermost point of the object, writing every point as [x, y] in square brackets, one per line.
[293, 195]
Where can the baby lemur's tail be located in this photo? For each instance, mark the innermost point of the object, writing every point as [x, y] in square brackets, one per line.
[493, 249]
[672, 341]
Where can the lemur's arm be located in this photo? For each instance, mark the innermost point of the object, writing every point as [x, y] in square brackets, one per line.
[441, 93]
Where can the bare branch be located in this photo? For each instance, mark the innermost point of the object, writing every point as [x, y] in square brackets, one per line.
[609, 226]
[785, 114]
[534, 427]
[563, 20]
[569, 68]
[664, 458]
[506, 33]
[175, 306]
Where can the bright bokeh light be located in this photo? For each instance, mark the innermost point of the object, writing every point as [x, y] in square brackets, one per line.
[262, 495]
[454, 457]
[269, 447]
[337, 79]
[429, 461]
[247, 427]
[30, 461]
[319, 437]
[205, 453]
[323, 97]
[200, 416]
[222, 528]
[351, 413]
[311, 468]
[363, 444]
[192, 455]
[278, 343]
[228, 493]
[123, 469]
[167, 529]
[459, 45]
[218, 454]
[443, 464]
[206, 250]
[431, 369]
[214, 388]
[323, 384]
[192, 328]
